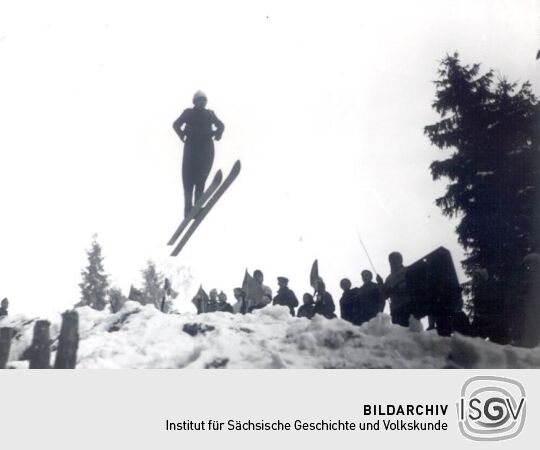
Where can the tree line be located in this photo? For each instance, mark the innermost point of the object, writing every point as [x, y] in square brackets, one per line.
[98, 293]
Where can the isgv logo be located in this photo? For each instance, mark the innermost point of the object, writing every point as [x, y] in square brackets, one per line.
[491, 408]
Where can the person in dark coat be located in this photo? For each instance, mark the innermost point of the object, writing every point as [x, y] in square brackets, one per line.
[211, 306]
[285, 296]
[370, 300]
[307, 310]
[222, 304]
[348, 301]
[197, 127]
[4, 307]
[395, 288]
[324, 303]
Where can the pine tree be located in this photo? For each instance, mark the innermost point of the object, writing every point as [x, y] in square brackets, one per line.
[493, 170]
[153, 285]
[95, 284]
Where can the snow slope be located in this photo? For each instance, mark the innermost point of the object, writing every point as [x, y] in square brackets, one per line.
[143, 337]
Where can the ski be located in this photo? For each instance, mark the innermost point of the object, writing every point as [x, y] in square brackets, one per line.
[197, 207]
[206, 208]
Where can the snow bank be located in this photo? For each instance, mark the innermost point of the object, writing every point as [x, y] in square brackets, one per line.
[143, 337]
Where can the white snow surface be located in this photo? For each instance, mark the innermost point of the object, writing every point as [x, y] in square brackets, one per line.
[143, 337]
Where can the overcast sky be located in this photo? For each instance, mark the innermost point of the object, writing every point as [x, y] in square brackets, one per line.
[323, 102]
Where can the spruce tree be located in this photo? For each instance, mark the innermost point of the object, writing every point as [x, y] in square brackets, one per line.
[95, 284]
[153, 285]
[493, 169]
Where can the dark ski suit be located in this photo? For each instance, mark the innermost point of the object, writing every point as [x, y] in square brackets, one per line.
[198, 149]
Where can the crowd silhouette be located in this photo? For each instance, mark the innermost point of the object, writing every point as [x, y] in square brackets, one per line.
[427, 288]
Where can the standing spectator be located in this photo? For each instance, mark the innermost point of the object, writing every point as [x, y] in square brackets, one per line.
[212, 301]
[349, 299]
[222, 304]
[370, 300]
[285, 296]
[395, 288]
[259, 277]
[265, 297]
[307, 310]
[324, 303]
[4, 307]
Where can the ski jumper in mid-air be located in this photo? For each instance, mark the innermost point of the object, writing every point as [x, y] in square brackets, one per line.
[197, 127]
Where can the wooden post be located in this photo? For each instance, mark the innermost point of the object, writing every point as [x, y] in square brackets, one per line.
[40, 350]
[68, 342]
[5, 344]
[166, 293]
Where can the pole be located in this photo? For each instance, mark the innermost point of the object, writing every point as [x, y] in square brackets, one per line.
[365, 250]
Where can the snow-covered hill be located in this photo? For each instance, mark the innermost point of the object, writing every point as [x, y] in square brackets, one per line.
[142, 337]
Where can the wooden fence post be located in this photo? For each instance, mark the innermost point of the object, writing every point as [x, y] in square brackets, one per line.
[5, 344]
[68, 342]
[40, 350]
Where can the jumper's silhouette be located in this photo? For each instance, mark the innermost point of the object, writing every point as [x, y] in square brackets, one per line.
[197, 127]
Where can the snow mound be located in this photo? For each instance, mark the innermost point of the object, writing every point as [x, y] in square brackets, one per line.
[142, 337]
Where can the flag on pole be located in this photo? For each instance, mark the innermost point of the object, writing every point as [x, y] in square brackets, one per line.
[200, 300]
[254, 292]
[314, 275]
